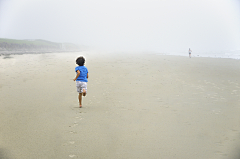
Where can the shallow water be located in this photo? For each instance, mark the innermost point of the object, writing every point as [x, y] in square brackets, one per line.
[235, 54]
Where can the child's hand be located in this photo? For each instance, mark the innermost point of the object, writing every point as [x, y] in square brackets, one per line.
[74, 79]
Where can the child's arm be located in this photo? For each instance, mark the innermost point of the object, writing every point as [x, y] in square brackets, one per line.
[78, 73]
[87, 75]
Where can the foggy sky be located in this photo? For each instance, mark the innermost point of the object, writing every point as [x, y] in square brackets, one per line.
[128, 25]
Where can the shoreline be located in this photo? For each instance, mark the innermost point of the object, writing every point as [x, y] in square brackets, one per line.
[219, 54]
[2, 53]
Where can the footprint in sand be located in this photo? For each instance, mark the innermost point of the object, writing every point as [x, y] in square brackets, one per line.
[216, 111]
[72, 142]
[72, 132]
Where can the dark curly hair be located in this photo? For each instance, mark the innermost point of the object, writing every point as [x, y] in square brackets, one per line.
[80, 61]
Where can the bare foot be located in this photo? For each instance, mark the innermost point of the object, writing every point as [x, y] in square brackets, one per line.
[80, 106]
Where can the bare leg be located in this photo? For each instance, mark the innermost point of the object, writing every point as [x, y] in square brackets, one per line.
[84, 92]
[80, 100]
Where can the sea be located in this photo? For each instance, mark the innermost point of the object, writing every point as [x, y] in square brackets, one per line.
[233, 54]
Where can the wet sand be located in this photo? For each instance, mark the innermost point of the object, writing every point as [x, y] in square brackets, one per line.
[137, 106]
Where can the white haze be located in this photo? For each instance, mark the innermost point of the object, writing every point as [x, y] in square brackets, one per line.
[126, 25]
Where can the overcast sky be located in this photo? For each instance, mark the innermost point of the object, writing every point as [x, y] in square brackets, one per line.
[140, 25]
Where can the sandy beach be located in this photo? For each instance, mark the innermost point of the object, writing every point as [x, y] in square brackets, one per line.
[138, 106]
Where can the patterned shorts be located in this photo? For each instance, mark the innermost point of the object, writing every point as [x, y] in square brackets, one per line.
[80, 86]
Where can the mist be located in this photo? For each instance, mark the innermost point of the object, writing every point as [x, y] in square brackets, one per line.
[121, 25]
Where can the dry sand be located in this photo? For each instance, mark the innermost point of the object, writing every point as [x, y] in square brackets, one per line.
[137, 106]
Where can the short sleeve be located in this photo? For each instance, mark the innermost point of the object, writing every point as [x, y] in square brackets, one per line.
[76, 69]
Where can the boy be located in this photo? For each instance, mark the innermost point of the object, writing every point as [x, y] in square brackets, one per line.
[81, 78]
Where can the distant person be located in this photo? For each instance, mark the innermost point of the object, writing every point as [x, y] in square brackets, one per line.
[190, 52]
[81, 78]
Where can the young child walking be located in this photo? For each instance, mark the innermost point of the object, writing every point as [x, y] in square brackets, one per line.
[81, 78]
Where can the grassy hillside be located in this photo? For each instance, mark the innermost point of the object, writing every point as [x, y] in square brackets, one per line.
[20, 45]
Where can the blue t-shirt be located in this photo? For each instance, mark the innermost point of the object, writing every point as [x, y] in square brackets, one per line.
[83, 73]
